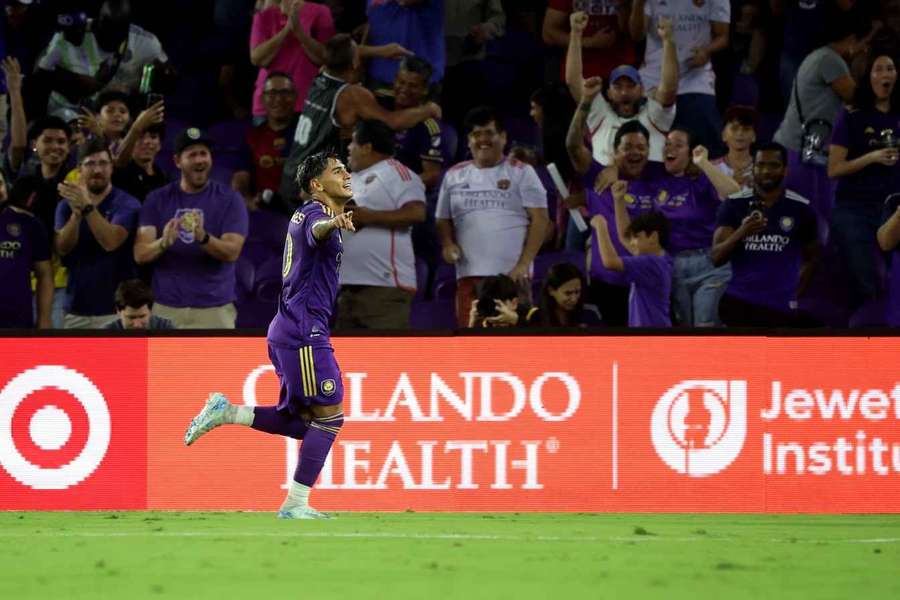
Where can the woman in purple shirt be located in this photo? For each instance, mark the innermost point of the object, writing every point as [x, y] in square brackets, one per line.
[689, 196]
[863, 159]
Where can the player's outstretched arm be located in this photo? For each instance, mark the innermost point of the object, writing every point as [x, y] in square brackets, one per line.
[322, 229]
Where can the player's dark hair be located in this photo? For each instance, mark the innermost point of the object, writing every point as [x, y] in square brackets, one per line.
[133, 293]
[773, 147]
[630, 127]
[312, 167]
[481, 116]
[93, 146]
[559, 274]
[495, 287]
[339, 53]
[650, 222]
[376, 133]
[49, 123]
[417, 65]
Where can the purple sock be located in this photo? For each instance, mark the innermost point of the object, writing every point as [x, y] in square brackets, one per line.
[315, 448]
[272, 420]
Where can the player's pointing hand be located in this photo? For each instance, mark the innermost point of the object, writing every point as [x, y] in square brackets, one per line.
[344, 221]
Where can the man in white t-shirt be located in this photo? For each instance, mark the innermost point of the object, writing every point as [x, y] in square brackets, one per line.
[111, 54]
[378, 270]
[700, 29]
[626, 100]
[491, 213]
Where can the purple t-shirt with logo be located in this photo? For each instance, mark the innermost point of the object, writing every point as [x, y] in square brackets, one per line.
[185, 275]
[95, 273]
[860, 132]
[23, 242]
[640, 198]
[766, 266]
[650, 277]
[690, 204]
[893, 311]
[310, 270]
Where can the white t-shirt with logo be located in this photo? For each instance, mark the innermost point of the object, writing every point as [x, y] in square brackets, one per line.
[378, 256]
[487, 207]
[603, 123]
[691, 28]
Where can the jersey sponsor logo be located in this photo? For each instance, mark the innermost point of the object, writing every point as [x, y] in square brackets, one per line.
[328, 387]
[698, 426]
[14, 229]
[503, 184]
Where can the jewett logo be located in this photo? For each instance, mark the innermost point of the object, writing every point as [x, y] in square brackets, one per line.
[50, 428]
[698, 426]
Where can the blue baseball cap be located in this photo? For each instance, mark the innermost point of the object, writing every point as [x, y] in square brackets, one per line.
[625, 71]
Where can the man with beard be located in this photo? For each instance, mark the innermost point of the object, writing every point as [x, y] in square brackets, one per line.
[491, 213]
[111, 53]
[626, 99]
[92, 226]
[769, 235]
[193, 231]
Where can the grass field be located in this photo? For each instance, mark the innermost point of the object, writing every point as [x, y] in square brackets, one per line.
[131, 555]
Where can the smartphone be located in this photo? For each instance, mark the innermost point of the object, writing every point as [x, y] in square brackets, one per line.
[153, 99]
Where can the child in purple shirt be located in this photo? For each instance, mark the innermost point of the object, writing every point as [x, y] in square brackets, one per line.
[648, 270]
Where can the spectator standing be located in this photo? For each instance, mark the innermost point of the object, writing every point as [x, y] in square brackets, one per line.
[739, 136]
[24, 248]
[193, 231]
[700, 30]
[606, 39]
[491, 212]
[141, 174]
[288, 38]
[378, 271]
[863, 159]
[769, 236]
[92, 228]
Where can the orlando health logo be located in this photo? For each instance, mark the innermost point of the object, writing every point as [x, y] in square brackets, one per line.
[698, 426]
[50, 429]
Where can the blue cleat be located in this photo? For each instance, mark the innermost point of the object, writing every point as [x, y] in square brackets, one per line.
[215, 413]
[300, 512]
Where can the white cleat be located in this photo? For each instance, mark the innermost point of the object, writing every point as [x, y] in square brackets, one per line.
[212, 415]
[299, 512]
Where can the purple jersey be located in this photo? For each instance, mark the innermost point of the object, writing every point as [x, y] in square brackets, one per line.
[893, 311]
[860, 132]
[766, 266]
[651, 285]
[690, 204]
[309, 273]
[639, 198]
[23, 242]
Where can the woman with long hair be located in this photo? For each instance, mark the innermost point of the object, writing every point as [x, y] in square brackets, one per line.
[562, 299]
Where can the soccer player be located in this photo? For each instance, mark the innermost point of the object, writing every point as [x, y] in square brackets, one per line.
[310, 402]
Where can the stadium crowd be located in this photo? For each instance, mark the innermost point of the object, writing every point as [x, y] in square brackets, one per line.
[549, 163]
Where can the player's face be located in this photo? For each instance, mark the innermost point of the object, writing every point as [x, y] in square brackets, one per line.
[114, 117]
[279, 97]
[147, 147]
[567, 295]
[335, 181]
[52, 147]
[195, 163]
[96, 171]
[738, 137]
[677, 153]
[768, 170]
[409, 89]
[487, 143]
[624, 96]
[632, 154]
[135, 318]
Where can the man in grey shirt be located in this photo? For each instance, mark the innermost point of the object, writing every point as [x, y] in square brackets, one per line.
[823, 84]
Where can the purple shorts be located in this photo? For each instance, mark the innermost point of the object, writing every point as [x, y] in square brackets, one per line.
[308, 376]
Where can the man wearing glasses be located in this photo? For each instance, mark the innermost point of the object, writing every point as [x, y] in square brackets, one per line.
[93, 224]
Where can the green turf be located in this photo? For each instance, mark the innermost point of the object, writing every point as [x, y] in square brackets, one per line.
[423, 555]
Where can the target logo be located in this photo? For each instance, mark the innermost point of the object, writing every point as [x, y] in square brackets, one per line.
[50, 427]
[698, 427]
[73, 425]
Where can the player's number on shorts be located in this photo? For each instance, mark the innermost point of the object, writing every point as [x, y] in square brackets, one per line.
[304, 126]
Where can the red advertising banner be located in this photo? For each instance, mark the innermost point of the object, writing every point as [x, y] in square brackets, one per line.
[72, 428]
[680, 424]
